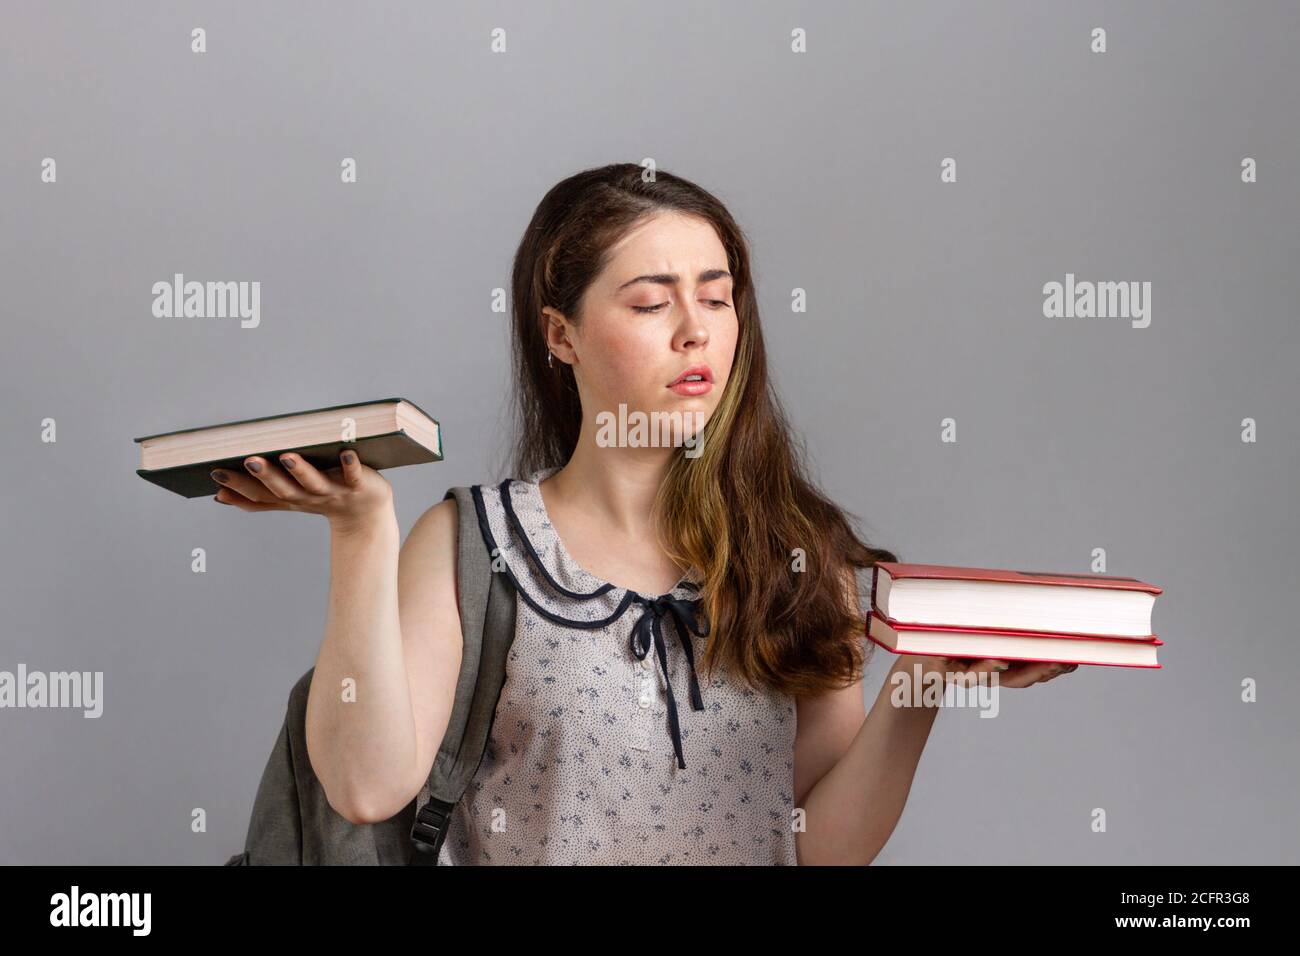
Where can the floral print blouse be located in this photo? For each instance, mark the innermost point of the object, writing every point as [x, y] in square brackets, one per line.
[606, 748]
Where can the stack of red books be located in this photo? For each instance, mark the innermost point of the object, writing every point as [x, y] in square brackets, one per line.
[945, 611]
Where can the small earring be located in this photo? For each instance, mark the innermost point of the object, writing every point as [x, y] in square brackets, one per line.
[550, 358]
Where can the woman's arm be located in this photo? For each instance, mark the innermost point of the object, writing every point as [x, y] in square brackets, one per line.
[853, 771]
[385, 678]
[852, 808]
[853, 774]
[393, 628]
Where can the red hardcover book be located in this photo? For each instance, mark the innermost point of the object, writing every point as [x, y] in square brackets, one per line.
[992, 643]
[958, 621]
[1000, 599]
[899, 569]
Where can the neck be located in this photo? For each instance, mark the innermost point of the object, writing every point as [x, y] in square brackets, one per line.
[617, 486]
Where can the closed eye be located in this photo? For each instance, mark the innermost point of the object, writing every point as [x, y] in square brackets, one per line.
[716, 303]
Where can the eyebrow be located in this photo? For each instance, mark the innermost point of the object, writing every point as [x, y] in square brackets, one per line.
[665, 278]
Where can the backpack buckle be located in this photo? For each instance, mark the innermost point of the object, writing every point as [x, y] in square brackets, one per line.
[429, 830]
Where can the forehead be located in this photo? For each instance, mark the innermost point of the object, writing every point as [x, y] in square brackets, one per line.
[667, 242]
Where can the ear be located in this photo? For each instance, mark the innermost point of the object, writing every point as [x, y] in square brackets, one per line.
[555, 332]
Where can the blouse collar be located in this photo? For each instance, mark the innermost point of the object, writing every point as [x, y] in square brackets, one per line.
[561, 591]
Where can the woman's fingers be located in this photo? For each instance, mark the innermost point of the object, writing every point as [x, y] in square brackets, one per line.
[273, 478]
[1026, 673]
[968, 669]
[349, 493]
[228, 497]
[306, 475]
[351, 469]
[242, 485]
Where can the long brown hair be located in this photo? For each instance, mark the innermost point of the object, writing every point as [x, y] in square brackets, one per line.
[736, 513]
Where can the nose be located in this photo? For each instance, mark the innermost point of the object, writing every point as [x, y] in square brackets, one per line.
[693, 331]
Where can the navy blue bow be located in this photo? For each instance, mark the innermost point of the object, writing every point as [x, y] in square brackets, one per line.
[648, 631]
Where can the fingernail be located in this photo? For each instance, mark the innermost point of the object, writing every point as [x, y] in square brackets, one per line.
[1003, 667]
[219, 475]
[348, 457]
[287, 462]
[253, 466]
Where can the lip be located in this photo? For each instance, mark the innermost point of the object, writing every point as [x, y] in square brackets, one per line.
[691, 388]
[701, 370]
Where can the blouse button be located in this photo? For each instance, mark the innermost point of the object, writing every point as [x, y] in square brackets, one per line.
[645, 703]
[645, 662]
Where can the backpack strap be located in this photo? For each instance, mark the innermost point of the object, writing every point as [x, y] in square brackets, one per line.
[487, 617]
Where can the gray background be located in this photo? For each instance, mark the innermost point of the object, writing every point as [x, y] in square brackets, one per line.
[924, 299]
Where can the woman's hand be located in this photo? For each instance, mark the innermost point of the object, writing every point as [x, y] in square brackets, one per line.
[351, 496]
[1010, 673]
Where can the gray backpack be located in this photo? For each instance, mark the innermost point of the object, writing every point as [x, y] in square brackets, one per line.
[292, 822]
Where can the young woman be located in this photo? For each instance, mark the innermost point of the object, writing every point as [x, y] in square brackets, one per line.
[685, 684]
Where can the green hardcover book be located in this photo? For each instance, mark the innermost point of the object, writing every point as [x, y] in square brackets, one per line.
[385, 433]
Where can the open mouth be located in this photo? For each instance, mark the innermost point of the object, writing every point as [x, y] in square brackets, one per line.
[695, 375]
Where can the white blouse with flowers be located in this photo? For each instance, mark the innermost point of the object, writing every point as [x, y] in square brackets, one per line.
[606, 748]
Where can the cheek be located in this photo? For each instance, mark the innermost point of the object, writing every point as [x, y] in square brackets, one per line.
[724, 346]
[624, 367]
